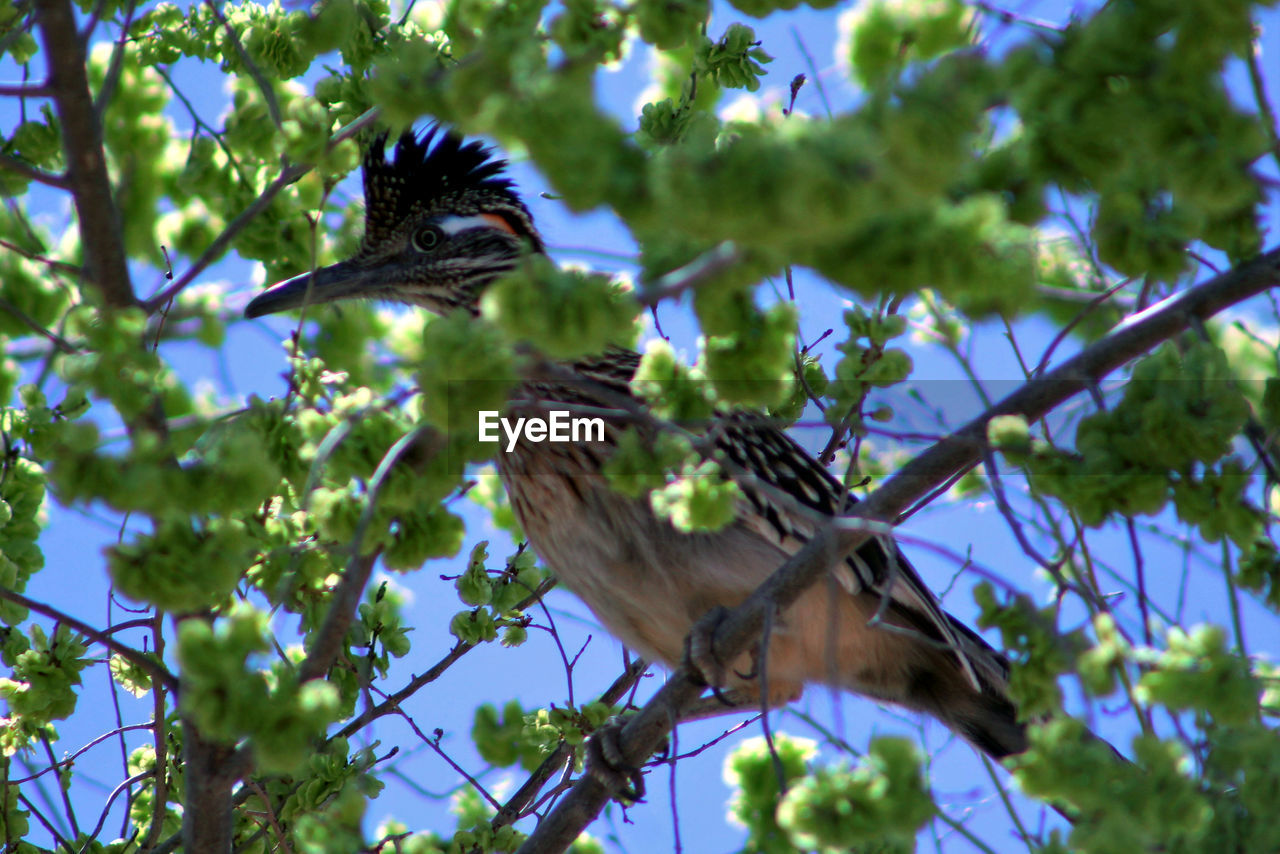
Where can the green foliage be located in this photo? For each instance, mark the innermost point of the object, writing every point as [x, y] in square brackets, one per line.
[22, 492]
[1066, 762]
[495, 598]
[752, 773]
[1010, 435]
[381, 628]
[810, 381]
[548, 727]
[867, 362]
[699, 498]
[1149, 67]
[1197, 671]
[639, 464]
[182, 567]
[1180, 409]
[14, 821]
[888, 34]
[589, 30]
[1038, 652]
[568, 313]
[880, 805]
[501, 740]
[232, 699]
[671, 389]
[40, 689]
[1259, 570]
[668, 24]
[748, 353]
[466, 368]
[735, 61]
[131, 676]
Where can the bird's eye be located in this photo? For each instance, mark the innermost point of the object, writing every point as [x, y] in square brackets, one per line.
[427, 238]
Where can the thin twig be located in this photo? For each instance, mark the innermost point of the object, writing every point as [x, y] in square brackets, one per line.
[393, 701]
[25, 90]
[56, 340]
[701, 269]
[116, 67]
[518, 803]
[264, 85]
[71, 758]
[160, 742]
[1140, 573]
[142, 659]
[52, 263]
[26, 170]
[287, 176]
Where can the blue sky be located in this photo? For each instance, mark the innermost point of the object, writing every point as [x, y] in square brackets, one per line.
[252, 362]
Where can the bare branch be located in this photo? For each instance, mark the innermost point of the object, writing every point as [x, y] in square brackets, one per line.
[223, 241]
[329, 640]
[52, 263]
[160, 790]
[116, 66]
[644, 733]
[56, 340]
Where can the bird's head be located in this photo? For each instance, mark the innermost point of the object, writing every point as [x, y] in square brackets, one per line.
[440, 223]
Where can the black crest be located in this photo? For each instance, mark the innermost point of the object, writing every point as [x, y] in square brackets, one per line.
[430, 173]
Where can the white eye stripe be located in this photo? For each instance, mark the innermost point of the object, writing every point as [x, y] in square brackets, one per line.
[455, 225]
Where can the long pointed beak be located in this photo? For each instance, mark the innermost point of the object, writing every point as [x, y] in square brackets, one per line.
[335, 282]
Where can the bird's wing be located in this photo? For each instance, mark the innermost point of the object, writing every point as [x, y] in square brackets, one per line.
[788, 495]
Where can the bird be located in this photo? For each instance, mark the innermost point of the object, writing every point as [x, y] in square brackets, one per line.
[442, 222]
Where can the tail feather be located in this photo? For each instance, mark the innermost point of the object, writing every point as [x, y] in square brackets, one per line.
[964, 683]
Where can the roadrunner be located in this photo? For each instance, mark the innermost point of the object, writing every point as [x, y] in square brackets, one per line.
[441, 222]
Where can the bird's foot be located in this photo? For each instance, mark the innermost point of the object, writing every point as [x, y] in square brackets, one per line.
[607, 763]
[701, 657]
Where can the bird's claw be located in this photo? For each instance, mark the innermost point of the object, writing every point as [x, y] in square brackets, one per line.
[700, 653]
[606, 762]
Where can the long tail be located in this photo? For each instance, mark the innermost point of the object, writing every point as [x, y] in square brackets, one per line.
[984, 717]
[954, 676]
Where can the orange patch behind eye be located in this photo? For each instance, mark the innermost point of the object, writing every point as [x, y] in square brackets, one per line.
[500, 222]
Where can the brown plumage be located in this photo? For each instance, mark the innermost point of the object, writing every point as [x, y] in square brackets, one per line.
[442, 223]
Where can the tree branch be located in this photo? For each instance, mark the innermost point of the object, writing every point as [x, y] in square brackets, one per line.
[644, 733]
[104, 255]
[206, 809]
[264, 85]
[26, 170]
[154, 667]
[24, 90]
